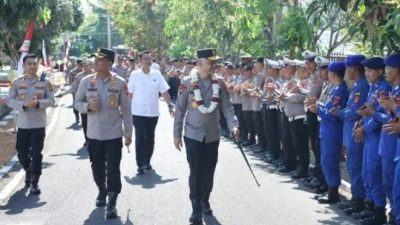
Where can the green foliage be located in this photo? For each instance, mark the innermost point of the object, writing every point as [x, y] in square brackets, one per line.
[294, 32]
[52, 17]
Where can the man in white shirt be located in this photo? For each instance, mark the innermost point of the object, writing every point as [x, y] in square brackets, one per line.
[145, 84]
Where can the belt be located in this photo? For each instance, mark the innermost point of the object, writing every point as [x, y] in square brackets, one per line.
[272, 107]
[293, 118]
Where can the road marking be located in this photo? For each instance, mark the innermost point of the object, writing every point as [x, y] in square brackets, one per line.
[10, 187]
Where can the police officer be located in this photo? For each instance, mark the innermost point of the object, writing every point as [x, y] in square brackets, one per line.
[120, 68]
[298, 129]
[237, 102]
[30, 95]
[290, 161]
[71, 77]
[349, 115]
[388, 141]
[258, 123]
[331, 131]
[201, 97]
[87, 70]
[317, 182]
[314, 91]
[369, 131]
[272, 114]
[104, 97]
[246, 88]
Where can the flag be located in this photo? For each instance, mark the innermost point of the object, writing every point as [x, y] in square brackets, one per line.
[44, 54]
[25, 46]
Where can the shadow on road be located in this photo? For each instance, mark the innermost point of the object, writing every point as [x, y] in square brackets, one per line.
[19, 202]
[148, 180]
[74, 126]
[211, 220]
[97, 217]
[82, 153]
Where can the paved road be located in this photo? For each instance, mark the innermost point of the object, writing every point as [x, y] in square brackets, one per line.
[159, 197]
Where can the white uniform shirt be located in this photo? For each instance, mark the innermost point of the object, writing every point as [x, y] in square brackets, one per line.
[145, 89]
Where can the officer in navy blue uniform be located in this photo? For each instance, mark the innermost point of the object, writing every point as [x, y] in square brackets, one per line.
[331, 131]
[388, 141]
[349, 115]
[369, 131]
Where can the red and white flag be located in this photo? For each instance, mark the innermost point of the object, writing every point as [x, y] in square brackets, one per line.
[25, 46]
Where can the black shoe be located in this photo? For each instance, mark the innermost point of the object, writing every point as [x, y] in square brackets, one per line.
[321, 189]
[286, 170]
[34, 189]
[346, 204]
[205, 207]
[300, 175]
[111, 211]
[362, 215]
[379, 217]
[332, 198]
[101, 199]
[196, 217]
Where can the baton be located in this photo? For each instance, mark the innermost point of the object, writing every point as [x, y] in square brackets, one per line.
[245, 159]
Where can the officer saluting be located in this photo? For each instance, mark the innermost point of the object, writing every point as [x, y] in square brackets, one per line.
[201, 96]
[30, 96]
[104, 97]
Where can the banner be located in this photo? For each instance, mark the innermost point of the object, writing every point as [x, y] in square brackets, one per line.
[25, 46]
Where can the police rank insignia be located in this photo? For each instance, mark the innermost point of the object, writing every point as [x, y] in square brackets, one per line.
[357, 97]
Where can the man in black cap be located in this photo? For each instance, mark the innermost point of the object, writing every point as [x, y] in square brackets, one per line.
[201, 97]
[104, 97]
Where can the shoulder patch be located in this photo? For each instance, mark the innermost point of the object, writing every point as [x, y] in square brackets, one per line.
[336, 101]
[356, 97]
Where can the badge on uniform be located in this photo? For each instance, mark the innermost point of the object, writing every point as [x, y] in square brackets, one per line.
[357, 97]
[336, 101]
[92, 83]
[112, 101]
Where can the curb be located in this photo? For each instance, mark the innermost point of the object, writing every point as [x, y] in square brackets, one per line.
[9, 165]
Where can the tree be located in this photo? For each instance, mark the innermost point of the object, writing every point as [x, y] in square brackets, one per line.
[52, 17]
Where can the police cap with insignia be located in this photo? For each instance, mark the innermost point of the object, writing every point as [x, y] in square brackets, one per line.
[309, 55]
[393, 60]
[375, 63]
[354, 60]
[207, 53]
[321, 62]
[337, 67]
[104, 53]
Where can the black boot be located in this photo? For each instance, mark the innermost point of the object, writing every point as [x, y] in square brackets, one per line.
[101, 197]
[205, 207]
[111, 211]
[302, 173]
[196, 217]
[34, 188]
[357, 206]
[378, 218]
[367, 212]
[28, 178]
[333, 196]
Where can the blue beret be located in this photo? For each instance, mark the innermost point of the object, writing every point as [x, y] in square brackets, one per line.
[337, 67]
[354, 60]
[375, 63]
[393, 60]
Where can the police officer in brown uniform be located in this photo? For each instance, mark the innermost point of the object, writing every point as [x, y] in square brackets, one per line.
[201, 97]
[104, 97]
[30, 95]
